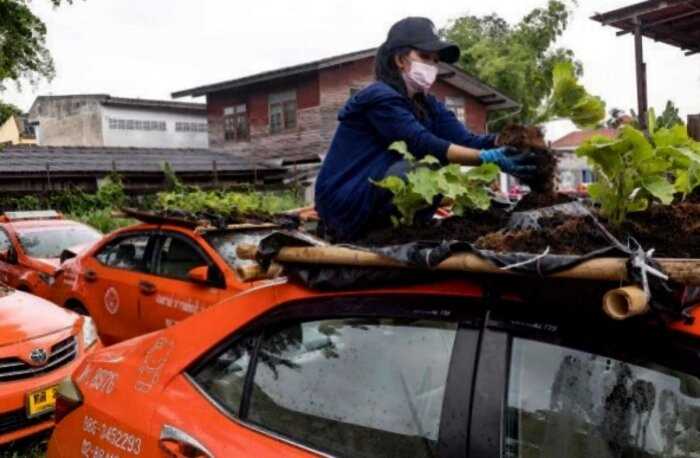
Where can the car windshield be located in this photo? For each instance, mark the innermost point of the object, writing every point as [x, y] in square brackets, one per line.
[225, 243]
[50, 242]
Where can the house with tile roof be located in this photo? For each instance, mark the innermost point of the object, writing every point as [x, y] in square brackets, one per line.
[573, 170]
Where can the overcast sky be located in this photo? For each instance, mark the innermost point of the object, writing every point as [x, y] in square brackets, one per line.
[150, 48]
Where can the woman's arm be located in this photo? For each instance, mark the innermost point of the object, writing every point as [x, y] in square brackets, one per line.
[462, 155]
[447, 126]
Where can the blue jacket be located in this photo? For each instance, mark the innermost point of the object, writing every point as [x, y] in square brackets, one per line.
[370, 121]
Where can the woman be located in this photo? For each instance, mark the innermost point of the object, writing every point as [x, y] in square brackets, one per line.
[397, 107]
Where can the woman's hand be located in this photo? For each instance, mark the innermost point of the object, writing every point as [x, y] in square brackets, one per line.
[511, 161]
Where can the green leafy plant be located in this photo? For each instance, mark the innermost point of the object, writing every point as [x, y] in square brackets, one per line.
[96, 209]
[427, 181]
[570, 100]
[196, 200]
[634, 169]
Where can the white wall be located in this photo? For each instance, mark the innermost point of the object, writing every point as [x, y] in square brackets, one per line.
[169, 138]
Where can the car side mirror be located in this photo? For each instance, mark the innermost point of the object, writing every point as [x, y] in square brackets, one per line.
[199, 274]
[66, 255]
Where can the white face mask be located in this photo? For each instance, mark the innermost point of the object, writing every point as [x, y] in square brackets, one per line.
[420, 77]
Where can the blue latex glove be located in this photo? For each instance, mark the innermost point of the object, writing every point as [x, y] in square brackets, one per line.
[511, 161]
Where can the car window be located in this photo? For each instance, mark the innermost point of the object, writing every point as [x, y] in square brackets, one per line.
[224, 377]
[225, 243]
[50, 242]
[126, 253]
[176, 257]
[360, 387]
[5, 243]
[566, 402]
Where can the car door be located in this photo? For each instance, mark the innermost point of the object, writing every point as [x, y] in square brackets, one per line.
[169, 294]
[110, 282]
[373, 376]
[10, 271]
[552, 385]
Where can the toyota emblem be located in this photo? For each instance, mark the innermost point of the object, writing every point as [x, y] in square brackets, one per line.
[38, 356]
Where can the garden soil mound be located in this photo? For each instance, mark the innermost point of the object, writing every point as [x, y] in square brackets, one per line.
[467, 228]
[673, 231]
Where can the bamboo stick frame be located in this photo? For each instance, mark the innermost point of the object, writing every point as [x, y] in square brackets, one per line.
[684, 271]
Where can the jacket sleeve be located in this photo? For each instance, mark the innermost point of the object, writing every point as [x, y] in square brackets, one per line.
[447, 126]
[394, 120]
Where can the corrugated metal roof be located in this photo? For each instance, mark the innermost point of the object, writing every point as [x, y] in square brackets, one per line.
[106, 99]
[674, 22]
[34, 159]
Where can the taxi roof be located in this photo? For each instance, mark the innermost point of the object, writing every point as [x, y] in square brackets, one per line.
[41, 223]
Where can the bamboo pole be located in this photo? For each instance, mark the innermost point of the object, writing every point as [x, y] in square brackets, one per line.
[684, 271]
[626, 302]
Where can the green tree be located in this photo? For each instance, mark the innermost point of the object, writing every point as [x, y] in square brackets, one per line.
[7, 110]
[23, 53]
[519, 59]
[670, 116]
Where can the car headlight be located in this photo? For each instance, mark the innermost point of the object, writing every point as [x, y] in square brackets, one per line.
[89, 332]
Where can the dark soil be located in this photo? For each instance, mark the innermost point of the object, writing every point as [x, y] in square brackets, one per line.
[562, 234]
[530, 139]
[535, 200]
[673, 232]
[468, 228]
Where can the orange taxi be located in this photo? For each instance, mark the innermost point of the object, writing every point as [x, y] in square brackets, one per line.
[451, 368]
[31, 244]
[40, 344]
[151, 275]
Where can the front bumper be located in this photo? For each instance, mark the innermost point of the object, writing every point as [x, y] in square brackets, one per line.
[14, 420]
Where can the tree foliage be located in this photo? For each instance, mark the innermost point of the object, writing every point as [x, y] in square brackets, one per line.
[7, 110]
[516, 59]
[669, 117]
[23, 52]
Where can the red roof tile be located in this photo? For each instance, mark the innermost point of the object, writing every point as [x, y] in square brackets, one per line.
[574, 139]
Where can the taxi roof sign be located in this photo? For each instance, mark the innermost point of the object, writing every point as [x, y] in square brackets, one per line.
[30, 215]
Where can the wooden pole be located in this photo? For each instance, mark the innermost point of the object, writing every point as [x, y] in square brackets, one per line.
[641, 69]
[694, 126]
[684, 271]
[48, 176]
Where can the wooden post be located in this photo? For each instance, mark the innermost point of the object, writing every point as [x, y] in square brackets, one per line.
[215, 171]
[48, 176]
[641, 66]
[694, 126]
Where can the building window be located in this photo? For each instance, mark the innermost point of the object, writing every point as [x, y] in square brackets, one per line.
[236, 123]
[136, 124]
[456, 106]
[283, 111]
[191, 127]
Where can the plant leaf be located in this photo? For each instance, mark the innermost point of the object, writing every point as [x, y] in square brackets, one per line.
[660, 188]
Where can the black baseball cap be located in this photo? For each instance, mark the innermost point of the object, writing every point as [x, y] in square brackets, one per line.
[420, 33]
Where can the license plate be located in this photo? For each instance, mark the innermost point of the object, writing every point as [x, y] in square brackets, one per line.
[41, 401]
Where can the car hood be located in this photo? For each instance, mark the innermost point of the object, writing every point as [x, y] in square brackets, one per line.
[24, 317]
[53, 262]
